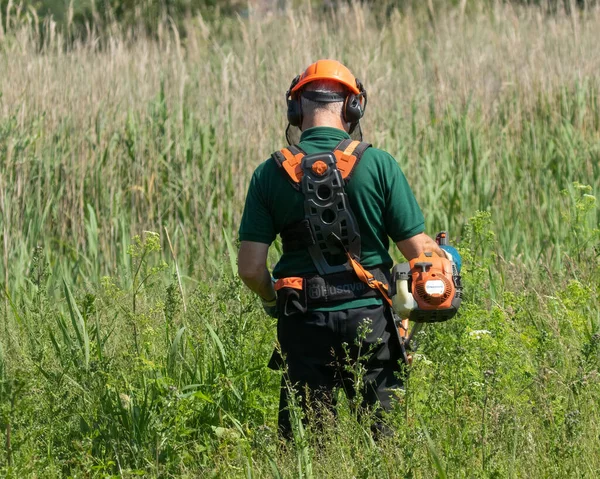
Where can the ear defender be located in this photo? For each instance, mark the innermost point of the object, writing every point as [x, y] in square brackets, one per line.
[294, 106]
[353, 109]
[353, 106]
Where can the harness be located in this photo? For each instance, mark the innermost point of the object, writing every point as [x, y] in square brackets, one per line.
[329, 231]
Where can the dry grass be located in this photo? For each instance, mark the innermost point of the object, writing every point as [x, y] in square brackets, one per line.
[83, 125]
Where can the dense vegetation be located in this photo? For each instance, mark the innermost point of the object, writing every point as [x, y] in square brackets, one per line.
[129, 347]
[78, 16]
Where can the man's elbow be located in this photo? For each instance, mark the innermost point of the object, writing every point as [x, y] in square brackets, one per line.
[252, 259]
[248, 272]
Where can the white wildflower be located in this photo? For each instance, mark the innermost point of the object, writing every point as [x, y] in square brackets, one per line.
[125, 400]
[479, 333]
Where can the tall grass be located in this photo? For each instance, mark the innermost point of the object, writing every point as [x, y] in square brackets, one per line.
[128, 347]
[100, 144]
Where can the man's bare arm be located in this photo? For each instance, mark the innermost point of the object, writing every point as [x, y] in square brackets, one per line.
[252, 268]
[412, 247]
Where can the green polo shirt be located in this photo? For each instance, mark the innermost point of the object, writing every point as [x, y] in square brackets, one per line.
[378, 193]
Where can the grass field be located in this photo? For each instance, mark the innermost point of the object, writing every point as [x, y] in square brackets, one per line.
[127, 345]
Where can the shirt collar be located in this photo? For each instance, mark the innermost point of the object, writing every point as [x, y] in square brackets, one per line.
[324, 133]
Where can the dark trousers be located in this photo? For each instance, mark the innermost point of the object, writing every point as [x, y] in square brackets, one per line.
[317, 360]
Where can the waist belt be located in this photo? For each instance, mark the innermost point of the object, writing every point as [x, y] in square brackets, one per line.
[300, 293]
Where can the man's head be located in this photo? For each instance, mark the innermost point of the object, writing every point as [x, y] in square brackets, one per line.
[316, 112]
[326, 94]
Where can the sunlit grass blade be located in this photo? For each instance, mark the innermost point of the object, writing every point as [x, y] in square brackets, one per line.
[433, 453]
[174, 351]
[79, 326]
[231, 253]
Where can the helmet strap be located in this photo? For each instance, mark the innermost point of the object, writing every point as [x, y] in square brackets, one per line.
[324, 96]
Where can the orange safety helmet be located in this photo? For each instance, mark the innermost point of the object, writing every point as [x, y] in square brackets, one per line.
[327, 70]
[355, 101]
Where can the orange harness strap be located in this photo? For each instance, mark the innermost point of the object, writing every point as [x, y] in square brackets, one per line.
[366, 277]
[346, 159]
[293, 164]
[291, 282]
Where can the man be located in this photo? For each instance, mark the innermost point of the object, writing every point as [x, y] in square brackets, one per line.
[331, 234]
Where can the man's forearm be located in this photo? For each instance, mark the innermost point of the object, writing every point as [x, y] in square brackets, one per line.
[261, 284]
[252, 268]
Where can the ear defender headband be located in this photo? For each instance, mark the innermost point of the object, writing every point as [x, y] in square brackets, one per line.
[352, 111]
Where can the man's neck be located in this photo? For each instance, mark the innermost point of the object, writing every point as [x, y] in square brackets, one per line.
[332, 122]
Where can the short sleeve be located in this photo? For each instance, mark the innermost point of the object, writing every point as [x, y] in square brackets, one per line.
[403, 217]
[257, 222]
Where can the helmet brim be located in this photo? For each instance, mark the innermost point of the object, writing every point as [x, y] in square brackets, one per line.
[316, 77]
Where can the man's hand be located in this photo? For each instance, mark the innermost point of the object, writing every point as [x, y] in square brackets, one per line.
[270, 307]
[412, 247]
[252, 268]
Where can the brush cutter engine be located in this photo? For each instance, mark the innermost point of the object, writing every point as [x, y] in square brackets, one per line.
[428, 289]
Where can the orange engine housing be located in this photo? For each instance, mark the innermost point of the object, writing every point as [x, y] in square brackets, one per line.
[432, 283]
[436, 288]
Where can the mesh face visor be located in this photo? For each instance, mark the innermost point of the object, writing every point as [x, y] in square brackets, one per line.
[293, 134]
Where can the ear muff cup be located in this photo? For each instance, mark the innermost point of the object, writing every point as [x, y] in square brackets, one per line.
[294, 105]
[354, 106]
[353, 109]
[294, 111]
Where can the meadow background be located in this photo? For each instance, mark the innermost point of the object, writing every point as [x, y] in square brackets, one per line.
[128, 347]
